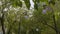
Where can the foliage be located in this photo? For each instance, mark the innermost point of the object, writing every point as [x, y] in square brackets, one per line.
[17, 19]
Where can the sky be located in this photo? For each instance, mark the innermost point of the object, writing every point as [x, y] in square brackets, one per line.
[32, 4]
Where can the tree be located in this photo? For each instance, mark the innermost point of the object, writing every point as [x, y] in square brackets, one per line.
[16, 18]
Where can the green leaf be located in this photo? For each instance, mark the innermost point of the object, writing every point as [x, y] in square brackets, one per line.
[16, 3]
[36, 2]
[27, 2]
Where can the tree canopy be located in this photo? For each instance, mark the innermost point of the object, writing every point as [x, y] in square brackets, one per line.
[16, 17]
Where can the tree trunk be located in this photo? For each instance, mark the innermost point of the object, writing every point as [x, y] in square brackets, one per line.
[19, 28]
[54, 20]
[9, 30]
[2, 23]
[55, 25]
